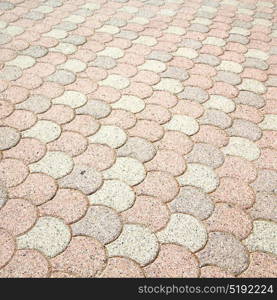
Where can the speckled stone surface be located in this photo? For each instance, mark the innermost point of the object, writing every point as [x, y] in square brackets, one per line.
[138, 138]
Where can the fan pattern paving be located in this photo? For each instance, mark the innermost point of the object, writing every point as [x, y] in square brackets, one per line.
[138, 138]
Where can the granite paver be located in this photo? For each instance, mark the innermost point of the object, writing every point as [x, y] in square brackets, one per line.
[138, 138]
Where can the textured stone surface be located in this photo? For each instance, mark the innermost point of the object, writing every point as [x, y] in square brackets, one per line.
[135, 136]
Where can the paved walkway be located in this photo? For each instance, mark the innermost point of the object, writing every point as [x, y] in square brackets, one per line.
[138, 138]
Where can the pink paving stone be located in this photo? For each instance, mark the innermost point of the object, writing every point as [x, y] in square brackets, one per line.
[9, 17]
[211, 135]
[147, 129]
[148, 211]
[181, 62]
[26, 264]
[70, 205]
[261, 28]
[272, 60]
[162, 98]
[47, 42]
[61, 274]
[140, 49]
[237, 167]
[16, 94]
[234, 191]
[237, 47]
[84, 256]
[3, 85]
[189, 108]
[125, 70]
[96, 74]
[29, 80]
[254, 74]
[121, 118]
[267, 159]
[226, 218]
[7, 247]
[84, 124]
[233, 56]
[269, 139]
[152, 32]
[6, 108]
[195, 35]
[211, 49]
[262, 265]
[158, 184]
[157, 24]
[12, 171]
[84, 31]
[247, 112]
[53, 57]
[69, 142]
[260, 36]
[271, 93]
[173, 261]
[50, 89]
[29, 36]
[220, 33]
[165, 46]
[42, 69]
[120, 43]
[84, 85]
[155, 113]
[169, 37]
[133, 27]
[28, 150]
[270, 107]
[132, 58]
[138, 89]
[147, 77]
[20, 119]
[84, 55]
[38, 188]
[224, 89]
[59, 113]
[214, 272]
[199, 81]
[18, 216]
[257, 44]
[105, 93]
[102, 37]
[168, 161]
[93, 46]
[200, 69]
[97, 156]
[7, 54]
[121, 267]
[175, 140]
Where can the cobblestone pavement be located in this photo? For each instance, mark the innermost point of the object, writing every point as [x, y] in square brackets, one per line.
[138, 138]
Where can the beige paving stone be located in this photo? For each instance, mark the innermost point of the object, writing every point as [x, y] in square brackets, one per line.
[184, 230]
[56, 164]
[187, 125]
[49, 235]
[126, 169]
[112, 136]
[242, 147]
[115, 194]
[201, 176]
[43, 130]
[72, 98]
[130, 103]
[263, 237]
[136, 242]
